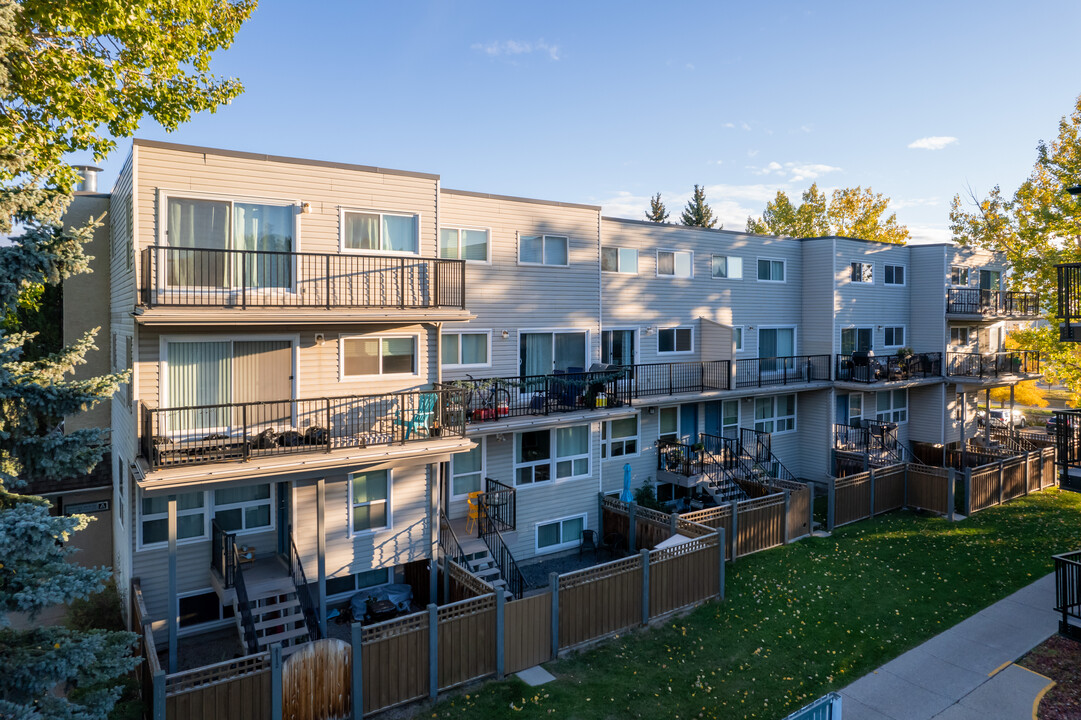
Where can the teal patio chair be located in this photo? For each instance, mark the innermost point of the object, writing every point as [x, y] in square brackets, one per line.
[422, 417]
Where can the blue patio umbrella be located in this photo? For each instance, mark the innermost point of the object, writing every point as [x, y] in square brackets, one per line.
[626, 496]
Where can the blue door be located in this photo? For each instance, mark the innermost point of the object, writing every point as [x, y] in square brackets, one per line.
[714, 423]
[688, 423]
[841, 416]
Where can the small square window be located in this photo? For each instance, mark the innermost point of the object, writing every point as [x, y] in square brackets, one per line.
[770, 270]
[675, 340]
[727, 267]
[863, 273]
[619, 260]
[675, 263]
[543, 250]
[894, 275]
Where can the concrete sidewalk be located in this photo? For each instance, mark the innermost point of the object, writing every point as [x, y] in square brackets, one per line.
[967, 671]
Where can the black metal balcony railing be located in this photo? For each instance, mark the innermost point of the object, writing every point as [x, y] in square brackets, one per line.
[864, 368]
[1068, 592]
[680, 377]
[761, 372]
[975, 301]
[499, 504]
[877, 440]
[242, 431]
[680, 458]
[203, 277]
[222, 557]
[992, 365]
[487, 399]
[1069, 301]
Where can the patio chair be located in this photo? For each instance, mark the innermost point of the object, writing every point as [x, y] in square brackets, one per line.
[474, 512]
[589, 542]
[615, 544]
[421, 418]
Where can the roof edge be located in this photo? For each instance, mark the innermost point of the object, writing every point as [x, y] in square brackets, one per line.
[514, 198]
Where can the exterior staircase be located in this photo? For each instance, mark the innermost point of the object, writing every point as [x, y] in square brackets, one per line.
[276, 617]
[474, 554]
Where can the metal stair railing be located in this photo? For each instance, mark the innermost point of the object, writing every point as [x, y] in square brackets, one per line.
[303, 591]
[508, 567]
[498, 502]
[717, 476]
[246, 619]
[448, 541]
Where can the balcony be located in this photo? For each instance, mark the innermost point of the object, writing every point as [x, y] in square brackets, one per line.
[866, 368]
[992, 303]
[238, 432]
[187, 278]
[992, 366]
[1069, 301]
[790, 370]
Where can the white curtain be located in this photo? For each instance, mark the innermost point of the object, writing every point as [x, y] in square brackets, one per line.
[536, 353]
[199, 374]
[266, 228]
[195, 224]
[361, 231]
[399, 233]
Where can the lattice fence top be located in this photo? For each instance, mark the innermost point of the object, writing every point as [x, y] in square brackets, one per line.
[216, 673]
[394, 628]
[760, 503]
[693, 529]
[850, 480]
[789, 485]
[707, 514]
[929, 471]
[462, 576]
[682, 549]
[624, 508]
[465, 608]
[599, 572]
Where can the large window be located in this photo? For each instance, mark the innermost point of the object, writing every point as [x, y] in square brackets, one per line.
[776, 343]
[202, 608]
[542, 353]
[244, 509]
[463, 244]
[894, 274]
[770, 270]
[619, 437]
[380, 232]
[863, 273]
[960, 336]
[466, 349]
[467, 471]
[727, 267]
[560, 534]
[892, 406]
[378, 356]
[619, 260]
[959, 276]
[536, 452]
[675, 340]
[154, 518]
[856, 340]
[349, 584]
[194, 224]
[617, 347]
[543, 250]
[369, 500]
[895, 336]
[775, 414]
[675, 263]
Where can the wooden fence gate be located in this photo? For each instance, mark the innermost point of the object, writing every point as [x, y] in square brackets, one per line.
[316, 681]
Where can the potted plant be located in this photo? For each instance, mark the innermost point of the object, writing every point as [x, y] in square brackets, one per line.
[905, 353]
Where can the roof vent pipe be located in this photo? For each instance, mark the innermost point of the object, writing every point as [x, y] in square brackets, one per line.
[88, 178]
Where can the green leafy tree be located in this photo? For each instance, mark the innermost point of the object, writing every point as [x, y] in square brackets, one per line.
[657, 212]
[73, 76]
[1039, 226]
[698, 213]
[850, 212]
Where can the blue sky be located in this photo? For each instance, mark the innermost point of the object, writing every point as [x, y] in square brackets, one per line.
[607, 103]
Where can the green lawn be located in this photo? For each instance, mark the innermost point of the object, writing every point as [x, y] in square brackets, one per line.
[800, 620]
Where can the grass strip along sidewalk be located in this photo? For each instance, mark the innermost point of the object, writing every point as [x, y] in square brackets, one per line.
[800, 620]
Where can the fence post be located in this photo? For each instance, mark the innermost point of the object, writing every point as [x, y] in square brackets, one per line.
[673, 521]
[553, 582]
[871, 480]
[951, 478]
[787, 509]
[720, 558]
[632, 529]
[433, 650]
[831, 502]
[645, 586]
[500, 613]
[1000, 482]
[968, 492]
[159, 695]
[276, 681]
[905, 488]
[356, 630]
[810, 510]
[1024, 473]
[735, 528]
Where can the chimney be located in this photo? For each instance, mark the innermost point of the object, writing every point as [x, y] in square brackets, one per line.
[88, 178]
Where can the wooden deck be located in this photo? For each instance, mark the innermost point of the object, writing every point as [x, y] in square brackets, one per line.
[266, 576]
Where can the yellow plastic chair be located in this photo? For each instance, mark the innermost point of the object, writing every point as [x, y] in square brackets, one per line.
[474, 513]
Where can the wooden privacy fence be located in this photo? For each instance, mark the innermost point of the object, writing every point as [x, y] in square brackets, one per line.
[1001, 481]
[315, 681]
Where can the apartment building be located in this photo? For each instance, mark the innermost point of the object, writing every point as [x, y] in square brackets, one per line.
[330, 361]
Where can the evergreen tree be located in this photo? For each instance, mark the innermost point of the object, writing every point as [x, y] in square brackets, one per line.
[698, 213]
[72, 77]
[657, 212]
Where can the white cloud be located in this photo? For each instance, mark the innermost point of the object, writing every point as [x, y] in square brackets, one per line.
[795, 172]
[902, 203]
[729, 125]
[935, 142]
[927, 234]
[745, 126]
[516, 47]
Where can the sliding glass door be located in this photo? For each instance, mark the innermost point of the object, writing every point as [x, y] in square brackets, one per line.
[617, 347]
[776, 343]
[545, 353]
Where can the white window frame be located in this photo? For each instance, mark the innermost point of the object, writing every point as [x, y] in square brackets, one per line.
[483, 471]
[774, 417]
[342, 377]
[619, 260]
[674, 275]
[784, 269]
[553, 332]
[968, 276]
[856, 328]
[895, 328]
[861, 281]
[890, 415]
[739, 415]
[460, 365]
[389, 572]
[243, 505]
[795, 337]
[727, 267]
[969, 335]
[553, 457]
[537, 550]
[737, 337]
[140, 518]
[459, 228]
[637, 339]
[544, 242]
[380, 252]
[607, 441]
[886, 279]
[675, 329]
[202, 627]
[679, 421]
[389, 502]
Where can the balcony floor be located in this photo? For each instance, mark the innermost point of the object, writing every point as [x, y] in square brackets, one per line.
[197, 316]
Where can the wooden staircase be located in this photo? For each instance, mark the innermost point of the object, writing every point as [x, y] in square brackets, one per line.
[481, 563]
[277, 617]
